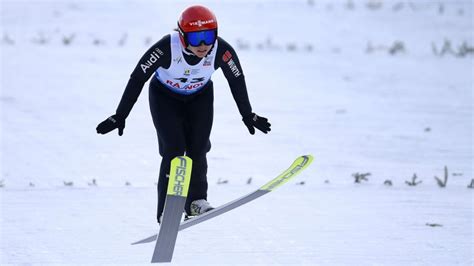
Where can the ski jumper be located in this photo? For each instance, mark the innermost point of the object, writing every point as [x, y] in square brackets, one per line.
[181, 103]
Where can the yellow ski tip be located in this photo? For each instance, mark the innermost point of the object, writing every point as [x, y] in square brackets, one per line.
[298, 165]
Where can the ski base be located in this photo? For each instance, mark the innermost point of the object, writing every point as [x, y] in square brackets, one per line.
[178, 185]
[298, 165]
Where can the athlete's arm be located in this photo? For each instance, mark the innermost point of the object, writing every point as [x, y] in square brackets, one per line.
[158, 55]
[227, 60]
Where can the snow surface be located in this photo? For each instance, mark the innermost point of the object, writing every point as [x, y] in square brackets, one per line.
[307, 70]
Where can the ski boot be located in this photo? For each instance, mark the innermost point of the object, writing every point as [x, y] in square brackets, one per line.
[198, 207]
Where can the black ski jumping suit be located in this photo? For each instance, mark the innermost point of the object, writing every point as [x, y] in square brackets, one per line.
[183, 122]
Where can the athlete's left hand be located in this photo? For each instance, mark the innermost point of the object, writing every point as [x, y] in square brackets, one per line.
[253, 121]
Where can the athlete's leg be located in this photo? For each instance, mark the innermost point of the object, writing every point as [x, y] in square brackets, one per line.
[168, 118]
[198, 127]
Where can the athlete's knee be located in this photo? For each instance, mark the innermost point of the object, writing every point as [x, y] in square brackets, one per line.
[171, 152]
[199, 151]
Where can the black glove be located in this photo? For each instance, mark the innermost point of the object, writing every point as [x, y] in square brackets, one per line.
[111, 123]
[253, 121]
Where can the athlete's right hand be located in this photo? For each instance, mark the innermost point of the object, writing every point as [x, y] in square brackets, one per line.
[111, 123]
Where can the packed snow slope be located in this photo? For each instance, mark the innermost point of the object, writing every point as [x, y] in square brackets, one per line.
[379, 87]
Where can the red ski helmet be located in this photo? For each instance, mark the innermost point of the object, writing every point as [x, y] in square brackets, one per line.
[196, 19]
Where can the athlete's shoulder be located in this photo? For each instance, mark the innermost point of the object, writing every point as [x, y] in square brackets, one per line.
[223, 44]
[164, 41]
[162, 46]
[158, 55]
[224, 51]
[227, 60]
[167, 37]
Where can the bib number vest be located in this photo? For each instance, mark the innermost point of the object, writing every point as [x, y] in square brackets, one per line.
[181, 77]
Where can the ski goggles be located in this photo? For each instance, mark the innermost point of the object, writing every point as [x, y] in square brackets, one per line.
[195, 38]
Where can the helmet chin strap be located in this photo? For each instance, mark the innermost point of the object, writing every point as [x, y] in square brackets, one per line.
[187, 51]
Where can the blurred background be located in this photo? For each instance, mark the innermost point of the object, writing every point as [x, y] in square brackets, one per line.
[370, 85]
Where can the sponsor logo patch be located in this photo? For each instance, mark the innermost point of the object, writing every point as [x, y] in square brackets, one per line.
[180, 177]
[178, 59]
[233, 67]
[195, 83]
[200, 23]
[208, 61]
[154, 56]
[226, 56]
